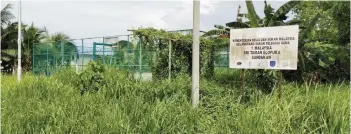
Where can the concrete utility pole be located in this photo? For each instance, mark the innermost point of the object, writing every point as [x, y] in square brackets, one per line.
[195, 50]
[19, 41]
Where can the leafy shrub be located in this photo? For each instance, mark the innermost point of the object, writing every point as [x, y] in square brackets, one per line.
[91, 79]
[330, 62]
[266, 80]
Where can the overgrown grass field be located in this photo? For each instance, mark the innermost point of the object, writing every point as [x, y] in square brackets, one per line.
[56, 104]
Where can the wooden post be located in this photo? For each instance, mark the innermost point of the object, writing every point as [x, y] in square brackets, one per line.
[280, 84]
[242, 82]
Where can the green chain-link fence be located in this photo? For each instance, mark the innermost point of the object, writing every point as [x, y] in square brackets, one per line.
[222, 58]
[125, 52]
[122, 52]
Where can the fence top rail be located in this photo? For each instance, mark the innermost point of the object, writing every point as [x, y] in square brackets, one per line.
[113, 36]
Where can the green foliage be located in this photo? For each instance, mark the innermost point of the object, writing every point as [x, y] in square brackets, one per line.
[237, 25]
[303, 37]
[334, 20]
[266, 80]
[330, 60]
[216, 32]
[181, 60]
[326, 24]
[91, 79]
[340, 12]
[280, 14]
[252, 16]
[54, 105]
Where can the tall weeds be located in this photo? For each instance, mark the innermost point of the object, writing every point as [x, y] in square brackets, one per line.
[123, 105]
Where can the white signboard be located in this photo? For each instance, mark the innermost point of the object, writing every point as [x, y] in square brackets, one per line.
[264, 48]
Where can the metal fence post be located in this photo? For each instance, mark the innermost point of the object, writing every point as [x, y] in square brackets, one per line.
[62, 53]
[94, 51]
[76, 60]
[33, 59]
[47, 59]
[169, 59]
[140, 56]
[103, 50]
[82, 54]
[128, 47]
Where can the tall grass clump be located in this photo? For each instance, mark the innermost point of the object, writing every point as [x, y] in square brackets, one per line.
[55, 104]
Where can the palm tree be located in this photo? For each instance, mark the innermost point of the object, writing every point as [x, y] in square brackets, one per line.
[60, 46]
[6, 15]
[9, 47]
[32, 36]
[56, 37]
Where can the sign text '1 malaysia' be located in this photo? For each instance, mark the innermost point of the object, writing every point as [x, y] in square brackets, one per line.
[264, 48]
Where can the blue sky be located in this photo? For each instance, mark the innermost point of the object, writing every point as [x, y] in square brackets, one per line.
[81, 19]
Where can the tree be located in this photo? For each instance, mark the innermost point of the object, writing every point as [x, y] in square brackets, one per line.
[6, 55]
[6, 15]
[9, 47]
[60, 46]
[330, 31]
[32, 36]
[55, 37]
[340, 12]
